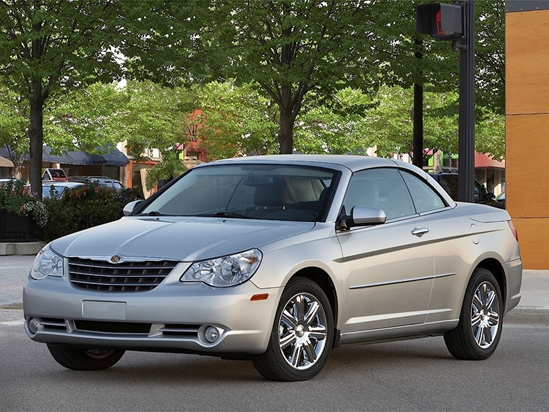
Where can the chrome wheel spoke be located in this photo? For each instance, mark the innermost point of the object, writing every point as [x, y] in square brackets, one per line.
[475, 320]
[478, 336]
[302, 331]
[310, 352]
[318, 333]
[485, 315]
[299, 307]
[310, 317]
[493, 318]
[287, 340]
[289, 320]
[490, 300]
[477, 302]
[296, 356]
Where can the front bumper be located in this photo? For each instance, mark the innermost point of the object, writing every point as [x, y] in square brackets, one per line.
[173, 317]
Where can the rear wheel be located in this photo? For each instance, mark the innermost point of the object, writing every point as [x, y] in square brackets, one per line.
[85, 360]
[479, 329]
[302, 334]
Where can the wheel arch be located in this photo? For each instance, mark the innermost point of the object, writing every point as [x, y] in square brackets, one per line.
[322, 279]
[494, 266]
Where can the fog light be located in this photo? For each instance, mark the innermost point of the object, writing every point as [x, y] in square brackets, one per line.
[33, 325]
[211, 334]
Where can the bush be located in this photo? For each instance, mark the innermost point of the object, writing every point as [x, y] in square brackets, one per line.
[82, 208]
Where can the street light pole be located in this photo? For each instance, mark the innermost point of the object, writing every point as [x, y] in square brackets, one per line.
[466, 167]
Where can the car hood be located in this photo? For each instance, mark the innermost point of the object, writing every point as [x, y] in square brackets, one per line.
[175, 238]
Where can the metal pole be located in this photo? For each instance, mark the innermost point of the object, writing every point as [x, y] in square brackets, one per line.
[418, 117]
[466, 167]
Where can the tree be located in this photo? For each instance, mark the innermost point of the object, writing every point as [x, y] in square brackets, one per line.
[290, 48]
[85, 119]
[235, 120]
[13, 126]
[51, 45]
[157, 117]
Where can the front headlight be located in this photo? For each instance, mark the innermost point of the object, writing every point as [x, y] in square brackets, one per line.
[224, 271]
[47, 263]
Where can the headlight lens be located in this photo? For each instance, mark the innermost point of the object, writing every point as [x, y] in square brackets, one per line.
[225, 271]
[47, 263]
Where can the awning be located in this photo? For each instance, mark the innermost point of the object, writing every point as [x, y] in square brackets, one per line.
[5, 162]
[112, 157]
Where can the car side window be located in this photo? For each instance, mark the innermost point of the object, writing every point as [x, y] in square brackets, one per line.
[383, 188]
[424, 197]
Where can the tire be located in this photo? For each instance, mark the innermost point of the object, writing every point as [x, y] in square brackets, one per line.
[477, 334]
[302, 334]
[85, 360]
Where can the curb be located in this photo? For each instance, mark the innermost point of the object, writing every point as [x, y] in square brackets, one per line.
[528, 316]
[21, 248]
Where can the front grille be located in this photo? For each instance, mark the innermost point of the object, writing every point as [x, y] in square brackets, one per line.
[112, 327]
[123, 277]
[51, 324]
[164, 330]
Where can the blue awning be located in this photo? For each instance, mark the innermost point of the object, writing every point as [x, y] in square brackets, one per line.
[112, 157]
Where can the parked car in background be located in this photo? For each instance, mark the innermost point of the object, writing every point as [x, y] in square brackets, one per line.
[278, 259]
[12, 180]
[449, 182]
[55, 190]
[53, 174]
[102, 181]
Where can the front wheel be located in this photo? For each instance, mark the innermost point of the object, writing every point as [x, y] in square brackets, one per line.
[479, 329]
[302, 334]
[85, 360]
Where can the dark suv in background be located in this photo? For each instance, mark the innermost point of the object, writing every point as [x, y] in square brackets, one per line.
[449, 182]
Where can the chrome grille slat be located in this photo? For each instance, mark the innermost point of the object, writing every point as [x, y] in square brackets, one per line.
[123, 277]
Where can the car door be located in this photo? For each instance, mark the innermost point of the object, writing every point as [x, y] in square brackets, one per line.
[388, 267]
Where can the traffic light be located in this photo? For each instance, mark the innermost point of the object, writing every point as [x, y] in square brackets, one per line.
[440, 20]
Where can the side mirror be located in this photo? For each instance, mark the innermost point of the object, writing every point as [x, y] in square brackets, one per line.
[365, 216]
[360, 216]
[130, 207]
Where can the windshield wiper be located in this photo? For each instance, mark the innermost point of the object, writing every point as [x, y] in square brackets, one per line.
[223, 213]
[154, 213]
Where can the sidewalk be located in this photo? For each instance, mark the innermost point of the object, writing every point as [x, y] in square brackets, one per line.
[533, 306]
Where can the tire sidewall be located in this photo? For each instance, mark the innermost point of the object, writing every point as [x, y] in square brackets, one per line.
[481, 276]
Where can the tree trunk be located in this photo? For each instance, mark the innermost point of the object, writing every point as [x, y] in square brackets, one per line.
[36, 137]
[286, 133]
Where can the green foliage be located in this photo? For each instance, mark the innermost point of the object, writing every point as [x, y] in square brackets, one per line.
[85, 119]
[310, 68]
[235, 120]
[82, 208]
[157, 117]
[291, 48]
[13, 125]
[336, 128]
[49, 47]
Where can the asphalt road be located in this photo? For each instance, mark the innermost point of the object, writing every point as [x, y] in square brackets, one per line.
[417, 375]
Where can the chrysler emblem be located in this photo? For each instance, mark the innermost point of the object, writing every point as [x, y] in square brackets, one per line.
[116, 259]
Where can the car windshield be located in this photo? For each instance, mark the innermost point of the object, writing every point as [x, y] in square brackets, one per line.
[275, 192]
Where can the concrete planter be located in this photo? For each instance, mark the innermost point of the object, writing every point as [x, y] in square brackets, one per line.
[16, 228]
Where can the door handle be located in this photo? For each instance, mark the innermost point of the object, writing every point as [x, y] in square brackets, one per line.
[420, 231]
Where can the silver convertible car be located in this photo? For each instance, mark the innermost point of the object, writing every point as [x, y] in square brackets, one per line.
[277, 260]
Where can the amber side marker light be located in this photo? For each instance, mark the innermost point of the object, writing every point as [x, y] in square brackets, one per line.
[513, 229]
[261, 296]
